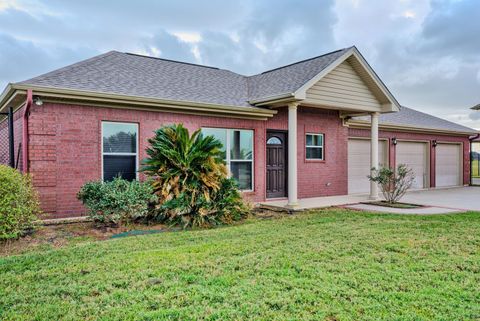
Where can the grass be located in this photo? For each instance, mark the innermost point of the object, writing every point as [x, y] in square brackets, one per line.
[324, 265]
[475, 172]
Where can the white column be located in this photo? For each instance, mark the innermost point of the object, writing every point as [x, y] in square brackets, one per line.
[292, 155]
[374, 153]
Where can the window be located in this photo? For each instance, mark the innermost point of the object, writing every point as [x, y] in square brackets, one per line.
[314, 146]
[119, 150]
[238, 153]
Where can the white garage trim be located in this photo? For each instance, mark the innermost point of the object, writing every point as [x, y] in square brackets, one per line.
[357, 175]
[422, 180]
[448, 168]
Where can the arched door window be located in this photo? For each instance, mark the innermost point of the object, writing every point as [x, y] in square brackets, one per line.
[274, 141]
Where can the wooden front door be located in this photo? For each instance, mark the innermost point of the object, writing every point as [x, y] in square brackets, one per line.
[276, 164]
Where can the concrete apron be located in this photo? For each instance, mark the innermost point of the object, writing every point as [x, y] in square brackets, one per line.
[436, 201]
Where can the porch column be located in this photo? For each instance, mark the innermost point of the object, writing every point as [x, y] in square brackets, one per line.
[292, 155]
[374, 153]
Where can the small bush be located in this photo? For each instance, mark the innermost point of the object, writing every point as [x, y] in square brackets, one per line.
[19, 204]
[189, 177]
[393, 183]
[118, 201]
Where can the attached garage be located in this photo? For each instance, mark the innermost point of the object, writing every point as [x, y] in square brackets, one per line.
[448, 165]
[415, 155]
[435, 149]
[359, 163]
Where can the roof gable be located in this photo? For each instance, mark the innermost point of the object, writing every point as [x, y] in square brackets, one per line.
[363, 71]
[344, 87]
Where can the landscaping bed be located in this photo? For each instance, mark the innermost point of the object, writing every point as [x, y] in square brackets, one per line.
[394, 205]
[332, 264]
[47, 237]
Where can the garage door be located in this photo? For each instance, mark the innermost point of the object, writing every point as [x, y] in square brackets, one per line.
[359, 163]
[448, 162]
[415, 156]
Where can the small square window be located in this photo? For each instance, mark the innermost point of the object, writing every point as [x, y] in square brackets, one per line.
[314, 146]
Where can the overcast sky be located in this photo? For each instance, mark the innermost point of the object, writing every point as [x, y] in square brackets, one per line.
[426, 51]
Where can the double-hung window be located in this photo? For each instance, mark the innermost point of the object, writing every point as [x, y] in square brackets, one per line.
[119, 150]
[314, 146]
[237, 153]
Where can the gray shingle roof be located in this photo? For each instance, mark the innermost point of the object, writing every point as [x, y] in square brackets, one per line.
[412, 118]
[135, 75]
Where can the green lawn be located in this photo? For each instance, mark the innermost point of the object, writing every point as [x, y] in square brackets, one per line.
[475, 173]
[327, 265]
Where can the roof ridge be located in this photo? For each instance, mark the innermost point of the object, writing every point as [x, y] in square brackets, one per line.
[171, 60]
[304, 60]
[76, 64]
[437, 117]
[426, 126]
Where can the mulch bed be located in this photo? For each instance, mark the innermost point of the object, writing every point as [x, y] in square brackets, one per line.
[55, 236]
[394, 205]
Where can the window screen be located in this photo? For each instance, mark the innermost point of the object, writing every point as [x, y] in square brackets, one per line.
[119, 150]
[239, 158]
[314, 146]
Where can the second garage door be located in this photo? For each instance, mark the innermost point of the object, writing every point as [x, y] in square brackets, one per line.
[359, 163]
[448, 160]
[415, 156]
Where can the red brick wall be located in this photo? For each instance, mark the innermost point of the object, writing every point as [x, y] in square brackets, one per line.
[65, 149]
[65, 153]
[318, 178]
[352, 132]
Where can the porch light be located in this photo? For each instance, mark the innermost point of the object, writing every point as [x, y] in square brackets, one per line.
[394, 140]
[37, 101]
[434, 143]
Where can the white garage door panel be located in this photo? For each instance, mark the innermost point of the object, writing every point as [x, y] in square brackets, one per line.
[414, 155]
[359, 164]
[447, 165]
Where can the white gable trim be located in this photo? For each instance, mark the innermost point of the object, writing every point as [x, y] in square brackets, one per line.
[301, 93]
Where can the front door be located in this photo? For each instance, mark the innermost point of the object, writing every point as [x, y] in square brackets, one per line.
[276, 164]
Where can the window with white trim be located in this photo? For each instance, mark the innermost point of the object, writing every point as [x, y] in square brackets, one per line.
[119, 150]
[314, 146]
[237, 153]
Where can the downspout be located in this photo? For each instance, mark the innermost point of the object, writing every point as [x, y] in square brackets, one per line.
[25, 130]
[471, 139]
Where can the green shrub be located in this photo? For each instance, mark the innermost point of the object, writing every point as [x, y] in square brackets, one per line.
[224, 207]
[118, 201]
[393, 183]
[19, 204]
[189, 177]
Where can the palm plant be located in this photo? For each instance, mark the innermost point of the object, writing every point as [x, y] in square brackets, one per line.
[187, 174]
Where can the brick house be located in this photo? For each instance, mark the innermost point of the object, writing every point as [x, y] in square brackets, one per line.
[312, 128]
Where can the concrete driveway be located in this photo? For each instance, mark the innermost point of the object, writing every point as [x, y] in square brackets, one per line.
[465, 198]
